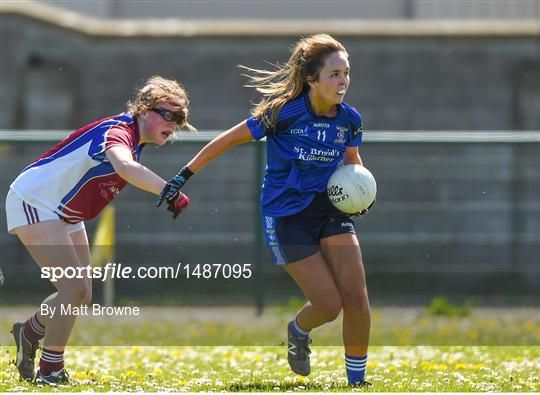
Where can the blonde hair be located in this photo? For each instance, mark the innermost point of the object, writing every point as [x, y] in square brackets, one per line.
[291, 79]
[158, 89]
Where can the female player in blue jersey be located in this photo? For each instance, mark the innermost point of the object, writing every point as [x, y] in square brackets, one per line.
[51, 198]
[309, 131]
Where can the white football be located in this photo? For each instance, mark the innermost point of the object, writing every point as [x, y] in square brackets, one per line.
[352, 188]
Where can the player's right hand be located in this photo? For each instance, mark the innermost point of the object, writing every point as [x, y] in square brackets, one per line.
[178, 203]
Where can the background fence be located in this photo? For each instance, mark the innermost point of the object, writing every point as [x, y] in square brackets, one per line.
[457, 214]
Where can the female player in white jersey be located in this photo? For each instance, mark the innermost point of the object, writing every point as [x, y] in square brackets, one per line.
[309, 131]
[72, 182]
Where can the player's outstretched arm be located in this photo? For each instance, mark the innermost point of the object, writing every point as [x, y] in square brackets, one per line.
[133, 172]
[238, 134]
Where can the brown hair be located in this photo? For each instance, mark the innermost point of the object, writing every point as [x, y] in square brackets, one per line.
[156, 90]
[289, 80]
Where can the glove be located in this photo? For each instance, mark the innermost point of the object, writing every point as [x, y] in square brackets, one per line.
[174, 185]
[178, 203]
[364, 211]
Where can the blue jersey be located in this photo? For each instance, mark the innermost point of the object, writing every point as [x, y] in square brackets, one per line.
[302, 152]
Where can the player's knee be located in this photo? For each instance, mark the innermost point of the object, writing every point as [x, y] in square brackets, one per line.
[330, 308]
[78, 293]
[357, 300]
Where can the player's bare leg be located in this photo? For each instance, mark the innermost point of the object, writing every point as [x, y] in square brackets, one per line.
[342, 252]
[79, 239]
[316, 281]
[51, 246]
[324, 304]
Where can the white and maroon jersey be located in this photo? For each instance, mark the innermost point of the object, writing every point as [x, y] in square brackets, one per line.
[75, 179]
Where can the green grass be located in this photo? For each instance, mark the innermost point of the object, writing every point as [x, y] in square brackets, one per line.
[227, 368]
[417, 366]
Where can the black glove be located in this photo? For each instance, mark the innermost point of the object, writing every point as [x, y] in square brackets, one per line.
[173, 186]
[364, 211]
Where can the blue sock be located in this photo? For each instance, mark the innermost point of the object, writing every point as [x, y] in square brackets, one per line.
[356, 368]
[297, 331]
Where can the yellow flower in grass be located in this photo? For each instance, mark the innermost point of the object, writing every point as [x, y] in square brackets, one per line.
[426, 365]
[302, 379]
[158, 371]
[131, 373]
[181, 383]
[372, 364]
[476, 367]
[433, 366]
[80, 375]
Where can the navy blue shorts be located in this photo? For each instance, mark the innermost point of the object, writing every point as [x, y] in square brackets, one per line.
[297, 236]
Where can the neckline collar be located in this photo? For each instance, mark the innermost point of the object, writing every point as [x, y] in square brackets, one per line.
[312, 113]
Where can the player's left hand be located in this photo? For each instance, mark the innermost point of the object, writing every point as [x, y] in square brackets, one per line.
[178, 203]
[174, 185]
[364, 211]
[171, 189]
